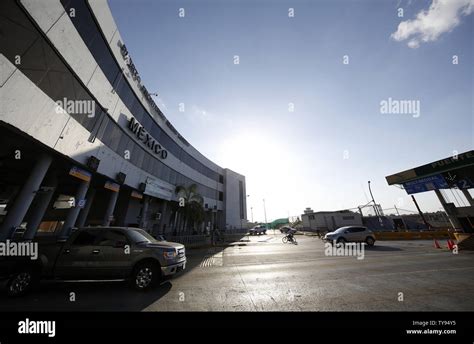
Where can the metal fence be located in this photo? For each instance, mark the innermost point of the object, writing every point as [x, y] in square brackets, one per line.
[227, 236]
[190, 240]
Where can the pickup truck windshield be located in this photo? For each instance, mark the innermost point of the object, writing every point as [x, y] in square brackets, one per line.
[139, 235]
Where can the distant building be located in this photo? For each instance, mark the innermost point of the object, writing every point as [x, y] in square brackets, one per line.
[329, 220]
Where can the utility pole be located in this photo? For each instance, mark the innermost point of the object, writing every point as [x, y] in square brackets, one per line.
[396, 209]
[373, 200]
[251, 213]
[420, 212]
[377, 213]
[265, 213]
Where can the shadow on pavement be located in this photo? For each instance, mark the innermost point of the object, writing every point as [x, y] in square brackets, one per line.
[378, 247]
[89, 296]
[101, 296]
[196, 256]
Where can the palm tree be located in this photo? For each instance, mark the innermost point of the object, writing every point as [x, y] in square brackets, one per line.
[192, 210]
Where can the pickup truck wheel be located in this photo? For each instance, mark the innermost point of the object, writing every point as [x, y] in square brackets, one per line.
[145, 275]
[21, 282]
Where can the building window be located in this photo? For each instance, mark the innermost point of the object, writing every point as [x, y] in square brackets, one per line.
[95, 41]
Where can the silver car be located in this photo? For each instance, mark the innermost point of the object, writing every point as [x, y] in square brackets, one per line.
[351, 234]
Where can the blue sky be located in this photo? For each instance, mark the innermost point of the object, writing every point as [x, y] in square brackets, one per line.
[322, 154]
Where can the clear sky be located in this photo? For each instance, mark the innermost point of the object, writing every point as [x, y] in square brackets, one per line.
[322, 153]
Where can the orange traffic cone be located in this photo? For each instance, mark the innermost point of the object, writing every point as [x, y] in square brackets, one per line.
[450, 245]
[436, 244]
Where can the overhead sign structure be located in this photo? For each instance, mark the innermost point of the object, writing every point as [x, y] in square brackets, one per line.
[426, 184]
[158, 189]
[452, 164]
[463, 179]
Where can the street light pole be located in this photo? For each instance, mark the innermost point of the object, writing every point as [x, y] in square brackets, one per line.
[251, 212]
[396, 209]
[377, 213]
[265, 213]
[373, 200]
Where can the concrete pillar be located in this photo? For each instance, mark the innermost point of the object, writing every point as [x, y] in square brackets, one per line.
[122, 206]
[452, 219]
[73, 213]
[164, 216]
[23, 201]
[81, 220]
[212, 220]
[178, 221]
[468, 196]
[40, 205]
[175, 222]
[144, 217]
[110, 208]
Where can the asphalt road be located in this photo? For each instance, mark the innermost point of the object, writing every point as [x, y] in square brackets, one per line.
[264, 274]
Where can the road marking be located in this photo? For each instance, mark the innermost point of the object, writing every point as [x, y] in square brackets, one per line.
[247, 291]
[266, 239]
[213, 259]
[341, 259]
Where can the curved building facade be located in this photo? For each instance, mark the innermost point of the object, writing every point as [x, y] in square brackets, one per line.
[82, 141]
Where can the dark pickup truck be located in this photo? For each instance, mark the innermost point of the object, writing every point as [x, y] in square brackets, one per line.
[98, 253]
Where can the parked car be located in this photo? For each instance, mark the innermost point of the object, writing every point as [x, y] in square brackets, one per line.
[257, 230]
[286, 229]
[98, 253]
[351, 234]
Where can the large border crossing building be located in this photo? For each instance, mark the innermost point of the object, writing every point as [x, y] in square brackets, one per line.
[78, 126]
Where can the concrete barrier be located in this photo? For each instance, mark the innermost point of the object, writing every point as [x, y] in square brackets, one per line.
[418, 235]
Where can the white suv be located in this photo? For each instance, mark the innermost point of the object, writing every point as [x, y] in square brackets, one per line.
[351, 234]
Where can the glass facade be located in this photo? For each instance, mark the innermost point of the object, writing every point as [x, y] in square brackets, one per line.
[39, 62]
[93, 38]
